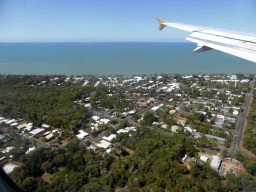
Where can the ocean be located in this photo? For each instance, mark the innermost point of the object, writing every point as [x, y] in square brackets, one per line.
[116, 58]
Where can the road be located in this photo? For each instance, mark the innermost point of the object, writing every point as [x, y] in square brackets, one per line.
[239, 131]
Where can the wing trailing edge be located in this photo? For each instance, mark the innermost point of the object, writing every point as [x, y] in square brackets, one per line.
[235, 43]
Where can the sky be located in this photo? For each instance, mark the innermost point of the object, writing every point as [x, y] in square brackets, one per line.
[118, 20]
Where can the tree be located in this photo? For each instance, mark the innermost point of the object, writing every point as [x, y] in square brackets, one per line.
[224, 153]
[149, 118]
[29, 184]
[46, 165]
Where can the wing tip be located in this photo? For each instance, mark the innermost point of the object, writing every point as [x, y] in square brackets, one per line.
[161, 21]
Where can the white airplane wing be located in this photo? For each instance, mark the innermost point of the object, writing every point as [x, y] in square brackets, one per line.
[242, 45]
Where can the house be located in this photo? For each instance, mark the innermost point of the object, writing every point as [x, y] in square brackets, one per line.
[37, 131]
[235, 112]
[49, 136]
[204, 158]
[14, 124]
[9, 168]
[124, 114]
[174, 128]
[22, 126]
[108, 151]
[185, 157]
[82, 134]
[7, 149]
[93, 147]
[30, 149]
[45, 126]
[104, 144]
[130, 129]
[142, 105]
[105, 121]
[231, 119]
[88, 105]
[1, 136]
[216, 162]
[215, 137]
[141, 99]
[122, 131]
[172, 112]
[197, 135]
[188, 129]
[95, 118]
[182, 122]
[132, 112]
[110, 137]
[164, 126]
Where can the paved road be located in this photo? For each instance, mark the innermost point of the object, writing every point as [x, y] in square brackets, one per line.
[239, 131]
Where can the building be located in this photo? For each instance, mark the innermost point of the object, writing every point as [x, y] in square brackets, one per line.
[105, 121]
[30, 149]
[104, 144]
[9, 168]
[7, 149]
[49, 136]
[93, 147]
[216, 162]
[122, 131]
[174, 128]
[36, 131]
[82, 134]
[215, 137]
[110, 137]
[172, 112]
[204, 158]
[188, 129]
[45, 126]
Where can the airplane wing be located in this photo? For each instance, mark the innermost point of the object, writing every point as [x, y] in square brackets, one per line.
[242, 45]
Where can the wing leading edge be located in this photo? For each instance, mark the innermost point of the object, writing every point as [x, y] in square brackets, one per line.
[234, 43]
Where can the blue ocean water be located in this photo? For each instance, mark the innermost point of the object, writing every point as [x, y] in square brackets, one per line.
[125, 58]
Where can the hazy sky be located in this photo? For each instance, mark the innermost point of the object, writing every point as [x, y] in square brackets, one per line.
[117, 20]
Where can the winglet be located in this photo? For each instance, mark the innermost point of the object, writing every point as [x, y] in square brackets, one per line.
[161, 26]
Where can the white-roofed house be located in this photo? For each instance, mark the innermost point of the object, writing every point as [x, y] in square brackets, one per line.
[235, 112]
[110, 137]
[130, 129]
[7, 149]
[216, 162]
[82, 134]
[105, 121]
[22, 126]
[122, 131]
[204, 158]
[104, 144]
[9, 168]
[95, 118]
[188, 129]
[36, 131]
[49, 136]
[45, 126]
[30, 149]
[14, 124]
[93, 147]
[10, 121]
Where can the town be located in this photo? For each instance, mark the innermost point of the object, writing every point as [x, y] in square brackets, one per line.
[209, 111]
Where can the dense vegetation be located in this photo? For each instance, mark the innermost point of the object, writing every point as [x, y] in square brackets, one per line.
[144, 161]
[141, 161]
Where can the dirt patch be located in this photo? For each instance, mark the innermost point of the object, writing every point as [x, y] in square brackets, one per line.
[129, 150]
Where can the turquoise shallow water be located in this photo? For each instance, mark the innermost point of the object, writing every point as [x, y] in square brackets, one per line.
[113, 58]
